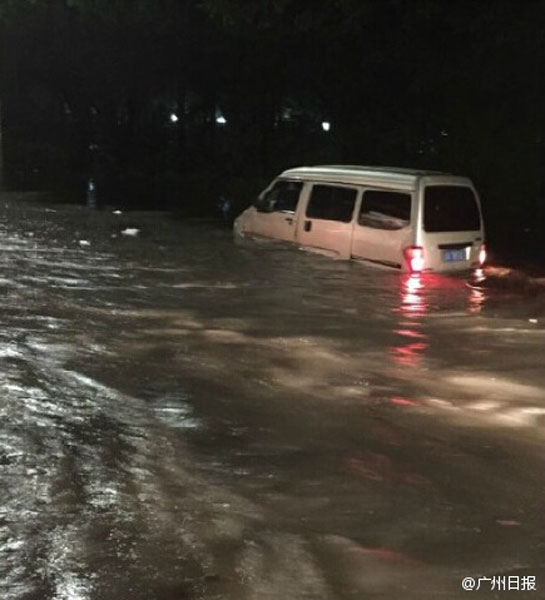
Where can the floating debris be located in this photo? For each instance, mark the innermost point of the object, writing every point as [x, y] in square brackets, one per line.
[132, 231]
[508, 522]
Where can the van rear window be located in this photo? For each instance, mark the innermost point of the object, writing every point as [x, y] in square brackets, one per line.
[450, 208]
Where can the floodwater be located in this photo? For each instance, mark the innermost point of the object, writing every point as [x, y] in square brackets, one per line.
[186, 417]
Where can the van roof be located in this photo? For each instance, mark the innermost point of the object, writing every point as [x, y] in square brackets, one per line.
[405, 178]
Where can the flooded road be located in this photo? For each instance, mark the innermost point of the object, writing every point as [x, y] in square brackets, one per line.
[185, 417]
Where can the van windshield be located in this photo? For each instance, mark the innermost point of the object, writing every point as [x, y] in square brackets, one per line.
[282, 197]
[450, 208]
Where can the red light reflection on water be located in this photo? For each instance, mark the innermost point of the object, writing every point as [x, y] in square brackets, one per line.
[389, 555]
[410, 333]
[403, 402]
[413, 306]
[412, 298]
[476, 300]
[420, 293]
[410, 354]
[477, 295]
[385, 470]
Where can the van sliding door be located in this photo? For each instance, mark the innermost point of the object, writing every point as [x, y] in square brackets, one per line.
[328, 220]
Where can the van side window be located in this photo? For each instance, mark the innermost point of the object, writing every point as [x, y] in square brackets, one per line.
[382, 209]
[332, 203]
[283, 196]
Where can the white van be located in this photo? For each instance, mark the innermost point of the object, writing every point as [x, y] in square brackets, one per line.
[407, 219]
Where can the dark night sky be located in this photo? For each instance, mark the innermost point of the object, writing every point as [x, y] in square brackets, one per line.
[455, 86]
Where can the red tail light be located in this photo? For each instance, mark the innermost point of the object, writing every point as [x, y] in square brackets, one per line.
[482, 254]
[414, 255]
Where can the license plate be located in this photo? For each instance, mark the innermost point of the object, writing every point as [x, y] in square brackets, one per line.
[454, 255]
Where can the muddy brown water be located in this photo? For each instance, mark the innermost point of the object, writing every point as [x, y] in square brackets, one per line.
[187, 416]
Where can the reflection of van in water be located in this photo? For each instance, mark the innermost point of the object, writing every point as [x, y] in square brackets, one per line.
[407, 219]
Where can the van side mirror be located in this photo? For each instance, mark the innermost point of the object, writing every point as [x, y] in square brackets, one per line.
[265, 203]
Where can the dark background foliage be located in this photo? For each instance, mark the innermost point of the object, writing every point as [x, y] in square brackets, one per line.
[88, 87]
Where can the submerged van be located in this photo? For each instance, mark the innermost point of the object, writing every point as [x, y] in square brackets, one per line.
[406, 219]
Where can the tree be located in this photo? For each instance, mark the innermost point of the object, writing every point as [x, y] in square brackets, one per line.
[100, 62]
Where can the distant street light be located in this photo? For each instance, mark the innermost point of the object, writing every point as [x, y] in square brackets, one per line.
[221, 120]
[326, 125]
[173, 118]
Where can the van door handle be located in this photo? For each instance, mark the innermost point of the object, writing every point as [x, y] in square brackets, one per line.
[289, 220]
[308, 225]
